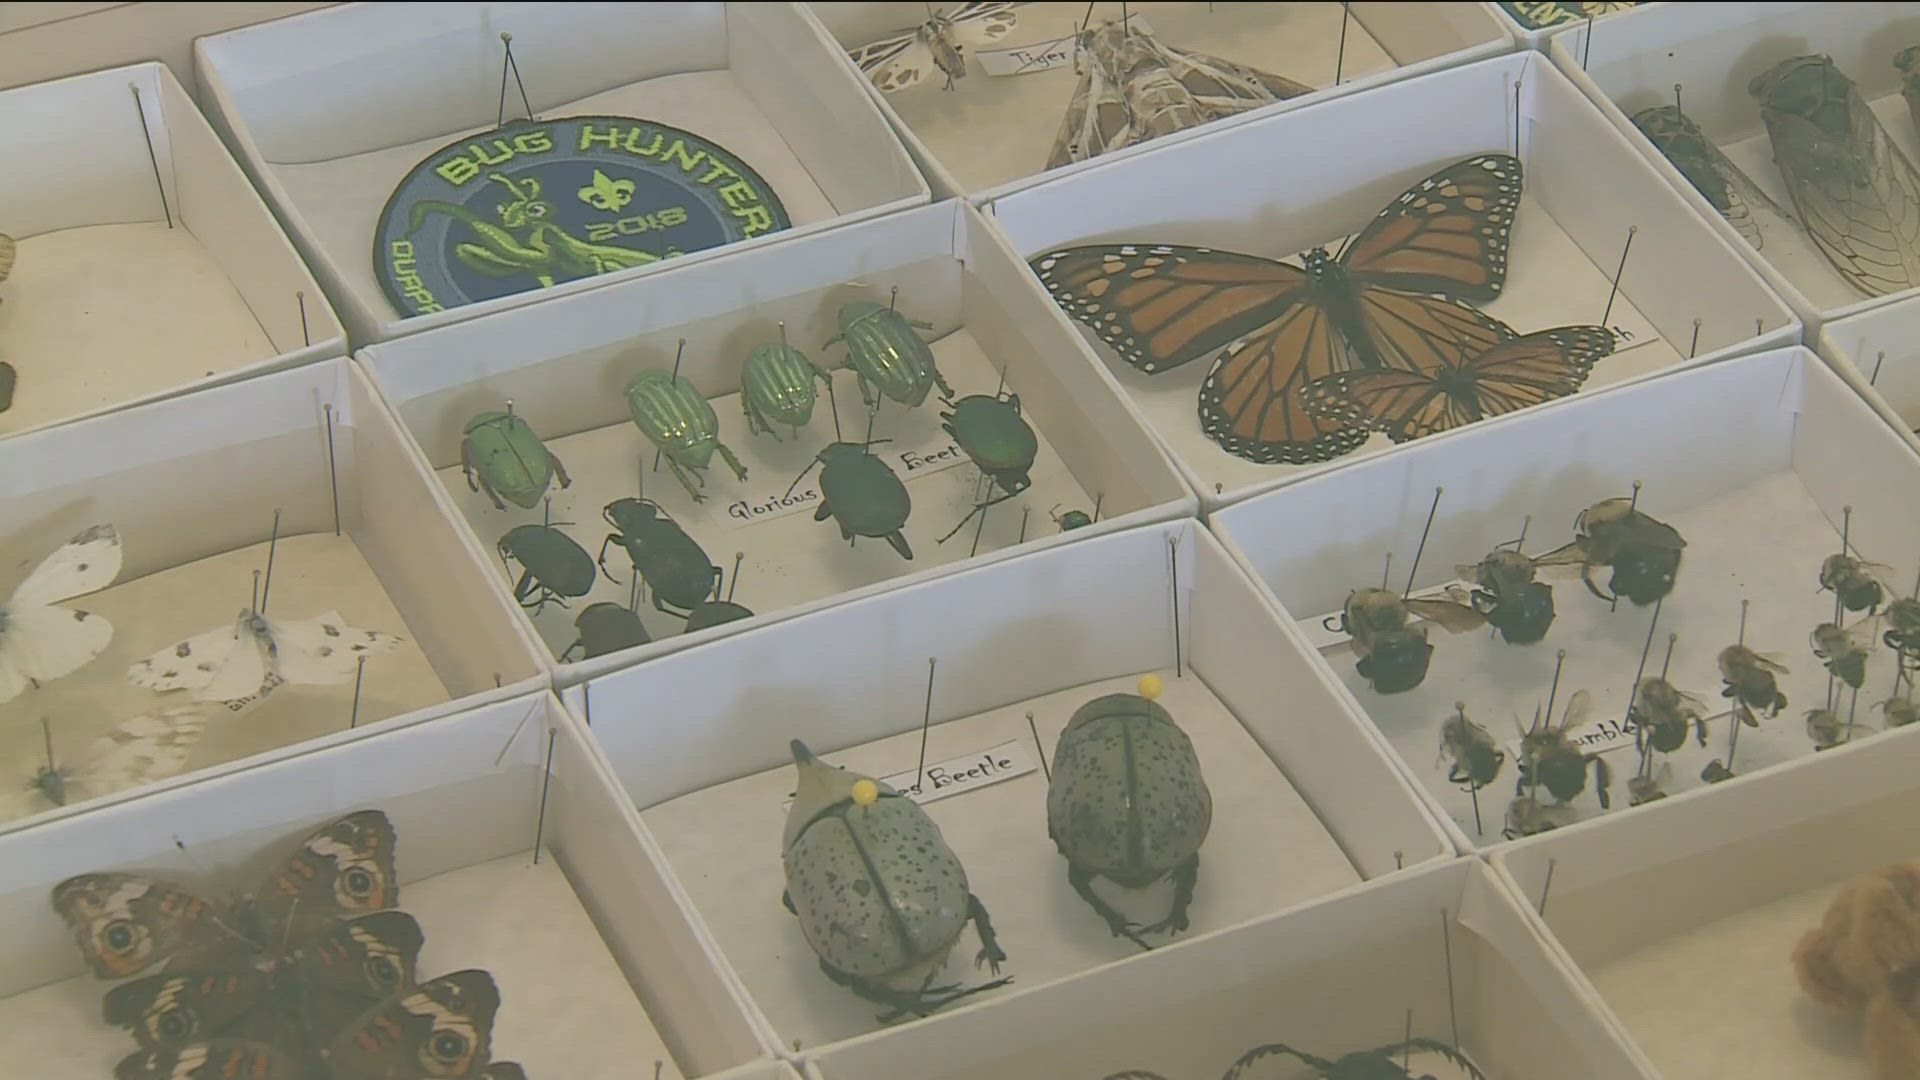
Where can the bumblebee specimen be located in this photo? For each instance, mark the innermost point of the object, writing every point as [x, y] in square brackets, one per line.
[1378, 1063]
[1645, 789]
[1900, 711]
[1644, 553]
[1506, 593]
[1861, 585]
[1550, 759]
[1844, 650]
[1476, 759]
[1829, 729]
[1661, 714]
[1749, 678]
[1394, 655]
[1903, 629]
[1526, 815]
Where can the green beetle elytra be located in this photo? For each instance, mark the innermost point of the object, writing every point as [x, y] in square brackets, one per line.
[886, 354]
[670, 412]
[1127, 802]
[992, 433]
[880, 896]
[501, 455]
[776, 383]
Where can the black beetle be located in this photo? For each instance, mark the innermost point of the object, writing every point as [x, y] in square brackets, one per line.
[552, 565]
[1002, 444]
[715, 611]
[860, 492]
[673, 564]
[606, 627]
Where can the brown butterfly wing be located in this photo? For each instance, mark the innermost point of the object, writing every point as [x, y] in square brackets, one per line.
[171, 1012]
[1250, 403]
[1163, 305]
[126, 923]
[446, 1021]
[345, 868]
[1447, 234]
[219, 1059]
[353, 965]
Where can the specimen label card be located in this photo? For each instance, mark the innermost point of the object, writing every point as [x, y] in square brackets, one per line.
[936, 453]
[963, 774]
[1039, 56]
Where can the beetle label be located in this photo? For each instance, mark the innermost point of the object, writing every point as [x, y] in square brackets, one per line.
[936, 453]
[963, 774]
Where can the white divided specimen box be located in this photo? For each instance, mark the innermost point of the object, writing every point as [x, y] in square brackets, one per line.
[510, 849]
[1760, 464]
[984, 669]
[1003, 124]
[143, 263]
[566, 367]
[1588, 207]
[1878, 351]
[331, 110]
[260, 565]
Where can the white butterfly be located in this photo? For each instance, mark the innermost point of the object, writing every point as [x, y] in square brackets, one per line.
[40, 640]
[237, 663]
[148, 747]
[906, 59]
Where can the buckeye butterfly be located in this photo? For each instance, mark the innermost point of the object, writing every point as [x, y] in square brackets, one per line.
[1394, 296]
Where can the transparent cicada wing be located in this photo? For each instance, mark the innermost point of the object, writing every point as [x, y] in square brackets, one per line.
[1731, 191]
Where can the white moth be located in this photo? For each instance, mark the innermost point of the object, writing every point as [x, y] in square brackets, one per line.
[149, 747]
[908, 58]
[1134, 88]
[40, 640]
[237, 663]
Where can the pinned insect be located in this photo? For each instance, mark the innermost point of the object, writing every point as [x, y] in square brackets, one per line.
[1527, 816]
[714, 611]
[1861, 585]
[1375, 1064]
[149, 747]
[1903, 629]
[1550, 758]
[1900, 711]
[1749, 678]
[992, 433]
[672, 563]
[880, 896]
[1507, 594]
[1644, 553]
[502, 456]
[1719, 180]
[1072, 519]
[1845, 649]
[604, 628]
[1393, 654]
[1642, 788]
[1855, 193]
[861, 494]
[552, 565]
[1829, 729]
[1126, 801]
[886, 355]
[1661, 715]
[908, 58]
[1476, 759]
[670, 412]
[776, 383]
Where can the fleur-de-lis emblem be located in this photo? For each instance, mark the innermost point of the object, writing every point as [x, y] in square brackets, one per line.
[607, 193]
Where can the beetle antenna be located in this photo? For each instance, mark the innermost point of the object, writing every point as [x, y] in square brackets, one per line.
[802, 476]
[273, 541]
[926, 720]
[1421, 550]
[735, 579]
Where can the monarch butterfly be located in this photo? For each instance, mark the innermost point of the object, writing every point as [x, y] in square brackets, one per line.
[1281, 326]
[1514, 374]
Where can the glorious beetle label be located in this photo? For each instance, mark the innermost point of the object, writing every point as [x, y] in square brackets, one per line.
[537, 203]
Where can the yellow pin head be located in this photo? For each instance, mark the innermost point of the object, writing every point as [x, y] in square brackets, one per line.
[1150, 687]
[865, 792]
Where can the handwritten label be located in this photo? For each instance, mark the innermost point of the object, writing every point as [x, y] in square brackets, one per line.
[963, 774]
[1598, 737]
[1323, 631]
[1039, 56]
[931, 457]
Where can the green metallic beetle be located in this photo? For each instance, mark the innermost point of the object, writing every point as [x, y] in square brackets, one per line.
[1127, 802]
[886, 354]
[502, 456]
[776, 383]
[880, 896]
[992, 433]
[672, 414]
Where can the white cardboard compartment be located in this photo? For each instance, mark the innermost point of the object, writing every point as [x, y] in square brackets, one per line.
[1876, 352]
[1683, 919]
[699, 740]
[600, 973]
[992, 135]
[1333, 978]
[1635, 59]
[1753, 460]
[1583, 190]
[40, 41]
[193, 484]
[136, 280]
[329, 110]
[566, 364]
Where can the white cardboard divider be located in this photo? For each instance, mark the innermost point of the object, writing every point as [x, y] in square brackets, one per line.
[1713, 50]
[1683, 918]
[40, 41]
[599, 969]
[1584, 188]
[684, 730]
[138, 277]
[1878, 352]
[992, 135]
[1329, 979]
[329, 110]
[1536, 37]
[565, 366]
[1752, 460]
[193, 485]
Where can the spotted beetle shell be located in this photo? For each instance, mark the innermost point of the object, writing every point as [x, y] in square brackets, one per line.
[1127, 801]
[877, 890]
[883, 347]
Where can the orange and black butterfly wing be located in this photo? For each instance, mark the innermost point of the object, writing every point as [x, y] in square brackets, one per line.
[1420, 333]
[1250, 403]
[1163, 305]
[1447, 234]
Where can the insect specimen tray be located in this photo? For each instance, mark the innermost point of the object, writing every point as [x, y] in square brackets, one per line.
[137, 276]
[746, 76]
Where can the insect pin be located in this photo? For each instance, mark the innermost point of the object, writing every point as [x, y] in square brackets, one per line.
[501, 455]
[1643, 552]
[1749, 679]
[886, 355]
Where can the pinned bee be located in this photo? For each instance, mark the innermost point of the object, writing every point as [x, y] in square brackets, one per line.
[1845, 649]
[1394, 655]
[1549, 758]
[1861, 585]
[1643, 552]
[1829, 729]
[1903, 629]
[1900, 711]
[1749, 678]
[1526, 815]
[1507, 594]
[1645, 789]
[1661, 714]
[1476, 759]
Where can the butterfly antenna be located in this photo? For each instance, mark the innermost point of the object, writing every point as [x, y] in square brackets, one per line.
[266, 585]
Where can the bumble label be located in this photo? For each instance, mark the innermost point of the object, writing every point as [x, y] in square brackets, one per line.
[541, 202]
[961, 775]
[1039, 56]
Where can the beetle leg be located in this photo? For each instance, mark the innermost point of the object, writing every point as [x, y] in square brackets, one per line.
[1082, 883]
[681, 475]
[866, 390]
[1184, 878]
[466, 465]
[1324, 1067]
[581, 645]
[523, 588]
[559, 470]
[660, 604]
[612, 538]
[739, 470]
[945, 390]
[1602, 777]
[991, 953]
[822, 512]
[899, 542]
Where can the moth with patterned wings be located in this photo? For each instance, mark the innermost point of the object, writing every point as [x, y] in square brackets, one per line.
[248, 658]
[910, 57]
[149, 747]
[39, 639]
[1134, 88]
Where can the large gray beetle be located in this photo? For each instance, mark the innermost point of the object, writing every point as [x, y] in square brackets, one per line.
[1127, 803]
[880, 896]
